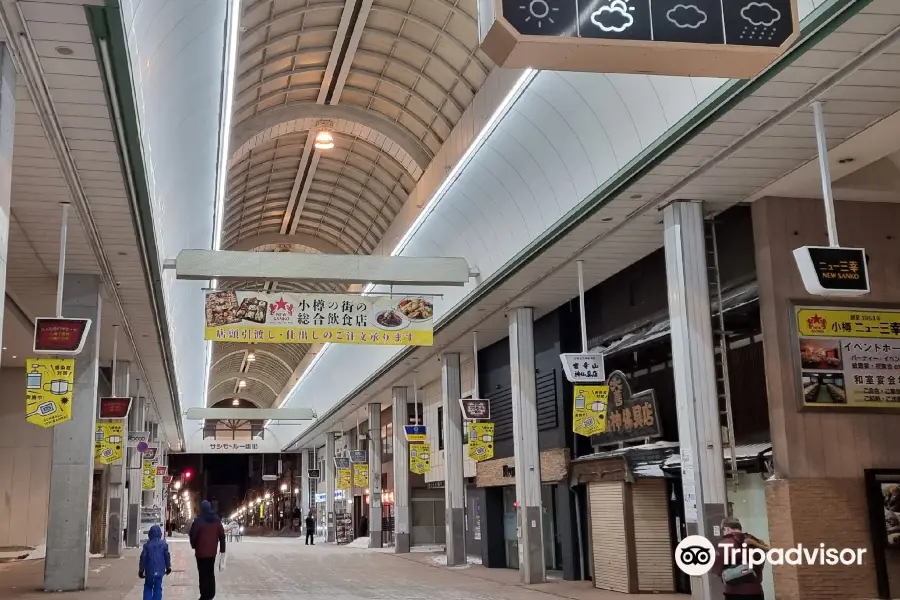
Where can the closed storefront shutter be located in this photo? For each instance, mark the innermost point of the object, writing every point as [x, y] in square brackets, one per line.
[651, 535]
[609, 544]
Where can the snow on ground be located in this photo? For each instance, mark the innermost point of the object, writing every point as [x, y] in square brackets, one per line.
[441, 561]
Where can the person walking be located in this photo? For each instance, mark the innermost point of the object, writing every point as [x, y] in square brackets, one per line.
[310, 529]
[741, 583]
[155, 563]
[207, 537]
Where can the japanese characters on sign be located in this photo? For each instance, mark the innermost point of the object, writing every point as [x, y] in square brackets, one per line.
[361, 475]
[358, 456]
[420, 458]
[849, 358]
[589, 413]
[828, 271]
[151, 452]
[148, 478]
[312, 473]
[108, 441]
[475, 409]
[49, 384]
[630, 418]
[296, 318]
[114, 408]
[415, 433]
[341, 462]
[60, 336]
[167, 479]
[583, 368]
[343, 479]
[161, 470]
[481, 441]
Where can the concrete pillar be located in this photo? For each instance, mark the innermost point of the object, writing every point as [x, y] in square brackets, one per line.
[72, 456]
[696, 398]
[7, 125]
[135, 423]
[375, 540]
[525, 446]
[303, 463]
[330, 475]
[454, 486]
[116, 510]
[308, 487]
[401, 471]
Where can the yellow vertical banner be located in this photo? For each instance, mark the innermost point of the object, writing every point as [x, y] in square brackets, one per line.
[420, 458]
[481, 441]
[49, 384]
[148, 480]
[589, 414]
[343, 479]
[361, 475]
[108, 442]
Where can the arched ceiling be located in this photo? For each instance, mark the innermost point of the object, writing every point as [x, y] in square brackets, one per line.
[393, 77]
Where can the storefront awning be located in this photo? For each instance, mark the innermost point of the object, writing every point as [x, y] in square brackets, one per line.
[645, 460]
[747, 455]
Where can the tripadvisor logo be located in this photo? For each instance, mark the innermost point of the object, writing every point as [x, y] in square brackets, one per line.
[695, 555]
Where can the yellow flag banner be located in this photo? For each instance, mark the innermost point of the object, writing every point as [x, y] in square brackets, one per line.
[49, 384]
[343, 479]
[589, 414]
[108, 441]
[420, 458]
[481, 441]
[148, 479]
[361, 475]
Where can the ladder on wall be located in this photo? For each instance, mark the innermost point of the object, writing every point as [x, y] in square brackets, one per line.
[720, 352]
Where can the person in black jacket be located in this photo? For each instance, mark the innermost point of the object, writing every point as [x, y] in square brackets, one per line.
[207, 537]
[310, 529]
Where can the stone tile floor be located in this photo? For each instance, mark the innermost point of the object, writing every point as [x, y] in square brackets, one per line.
[272, 568]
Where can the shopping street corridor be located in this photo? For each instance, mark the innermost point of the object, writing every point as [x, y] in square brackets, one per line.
[261, 568]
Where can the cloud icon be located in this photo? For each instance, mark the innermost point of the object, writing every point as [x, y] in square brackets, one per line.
[613, 18]
[686, 16]
[761, 14]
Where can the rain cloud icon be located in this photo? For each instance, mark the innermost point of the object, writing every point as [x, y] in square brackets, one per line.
[761, 14]
[613, 18]
[686, 16]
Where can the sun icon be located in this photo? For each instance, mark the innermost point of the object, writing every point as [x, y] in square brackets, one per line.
[539, 10]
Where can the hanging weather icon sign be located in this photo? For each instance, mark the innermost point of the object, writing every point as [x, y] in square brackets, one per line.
[686, 16]
[614, 18]
[761, 21]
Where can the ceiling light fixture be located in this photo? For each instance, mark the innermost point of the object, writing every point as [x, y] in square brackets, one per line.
[324, 137]
[64, 51]
[251, 357]
[235, 402]
[242, 383]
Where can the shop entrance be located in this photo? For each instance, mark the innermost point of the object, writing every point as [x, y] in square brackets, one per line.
[510, 533]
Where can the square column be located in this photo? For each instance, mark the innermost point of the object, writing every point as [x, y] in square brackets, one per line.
[375, 538]
[529, 518]
[135, 423]
[330, 475]
[304, 464]
[454, 485]
[696, 398]
[117, 507]
[72, 456]
[401, 471]
[7, 125]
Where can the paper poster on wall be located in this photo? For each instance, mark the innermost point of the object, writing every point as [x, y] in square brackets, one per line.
[420, 458]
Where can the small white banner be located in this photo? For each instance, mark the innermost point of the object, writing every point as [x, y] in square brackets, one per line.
[584, 368]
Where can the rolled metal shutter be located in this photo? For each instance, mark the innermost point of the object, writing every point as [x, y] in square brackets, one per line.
[609, 543]
[651, 535]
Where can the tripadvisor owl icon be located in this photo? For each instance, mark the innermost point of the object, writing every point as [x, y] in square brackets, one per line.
[695, 555]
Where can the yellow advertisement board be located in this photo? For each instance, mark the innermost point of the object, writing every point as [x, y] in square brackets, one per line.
[108, 441]
[49, 384]
[361, 475]
[420, 458]
[848, 323]
[481, 440]
[343, 479]
[300, 318]
[589, 414]
[148, 479]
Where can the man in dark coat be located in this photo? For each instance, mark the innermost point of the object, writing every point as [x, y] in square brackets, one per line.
[310, 529]
[207, 539]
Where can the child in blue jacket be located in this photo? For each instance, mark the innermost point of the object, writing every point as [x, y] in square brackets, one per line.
[155, 563]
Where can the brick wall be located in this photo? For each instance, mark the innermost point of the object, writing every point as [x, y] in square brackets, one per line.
[554, 467]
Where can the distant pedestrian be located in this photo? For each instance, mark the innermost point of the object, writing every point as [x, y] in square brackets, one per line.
[207, 539]
[155, 563]
[363, 526]
[310, 529]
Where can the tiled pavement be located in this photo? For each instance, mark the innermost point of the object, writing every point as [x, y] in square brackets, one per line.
[267, 568]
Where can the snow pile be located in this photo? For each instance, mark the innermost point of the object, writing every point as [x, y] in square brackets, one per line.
[441, 561]
[360, 542]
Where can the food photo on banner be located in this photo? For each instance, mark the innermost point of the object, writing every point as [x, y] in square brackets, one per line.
[847, 357]
[301, 318]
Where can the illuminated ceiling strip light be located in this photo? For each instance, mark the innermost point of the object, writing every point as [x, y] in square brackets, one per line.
[232, 19]
[520, 86]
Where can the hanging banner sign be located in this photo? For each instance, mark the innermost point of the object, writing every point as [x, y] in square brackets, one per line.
[297, 318]
[136, 437]
[148, 478]
[481, 441]
[108, 441]
[359, 456]
[114, 408]
[161, 470]
[151, 452]
[415, 433]
[49, 386]
[341, 462]
[313, 473]
[361, 475]
[343, 479]
[583, 368]
[60, 336]
[589, 415]
[475, 409]
[826, 271]
[420, 458]
[167, 479]
[706, 38]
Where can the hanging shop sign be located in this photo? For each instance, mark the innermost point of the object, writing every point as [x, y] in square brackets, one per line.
[415, 433]
[710, 38]
[136, 437]
[359, 456]
[475, 409]
[589, 414]
[583, 368]
[161, 470]
[109, 437]
[313, 473]
[167, 479]
[481, 441]
[629, 416]
[151, 452]
[291, 318]
[361, 475]
[848, 357]
[49, 386]
[341, 462]
[343, 479]
[60, 336]
[148, 475]
[827, 271]
[270, 477]
[114, 408]
[420, 458]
